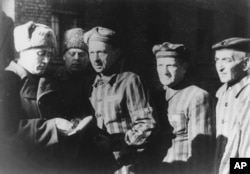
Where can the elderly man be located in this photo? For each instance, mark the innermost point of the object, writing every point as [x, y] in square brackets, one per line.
[232, 110]
[122, 111]
[32, 110]
[189, 111]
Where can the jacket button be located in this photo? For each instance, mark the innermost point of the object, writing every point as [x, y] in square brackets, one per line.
[98, 115]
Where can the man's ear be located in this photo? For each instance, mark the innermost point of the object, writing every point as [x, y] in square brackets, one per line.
[117, 52]
[246, 64]
[185, 66]
[64, 56]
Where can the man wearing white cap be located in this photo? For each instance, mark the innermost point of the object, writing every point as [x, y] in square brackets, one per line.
[121, 106]
[186, 116]
[32, 111]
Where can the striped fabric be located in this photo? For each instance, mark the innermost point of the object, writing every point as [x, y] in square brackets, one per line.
[191, 114]
[121, 106]
[233, 120]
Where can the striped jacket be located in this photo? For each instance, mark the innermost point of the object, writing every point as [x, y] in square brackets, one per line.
[191, 115]
[232, 123]
[122, 108]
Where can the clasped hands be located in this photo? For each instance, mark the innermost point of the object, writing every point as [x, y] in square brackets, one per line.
[68, 128]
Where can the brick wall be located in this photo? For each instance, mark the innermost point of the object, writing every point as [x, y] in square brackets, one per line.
[36, 10]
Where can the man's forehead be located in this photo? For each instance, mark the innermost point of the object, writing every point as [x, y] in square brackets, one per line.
[167, 60]
[227, 52]
[76, 50]
[97, 44]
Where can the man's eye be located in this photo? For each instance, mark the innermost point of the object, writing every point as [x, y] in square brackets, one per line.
[102, 53]
[82, 54]
[71, 53]
[41, 53]
[227, 60]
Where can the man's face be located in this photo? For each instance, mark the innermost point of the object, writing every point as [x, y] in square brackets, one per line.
[170, 71]
[35, 60]
[76, 60]
[229, 67]
[102, 56]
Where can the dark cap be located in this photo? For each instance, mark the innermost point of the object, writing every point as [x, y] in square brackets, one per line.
[168, 49]
[235, 43]
[101, 34]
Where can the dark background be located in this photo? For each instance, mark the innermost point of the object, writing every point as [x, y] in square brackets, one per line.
[142, 23]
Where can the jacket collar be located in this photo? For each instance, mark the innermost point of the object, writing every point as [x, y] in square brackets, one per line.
[236, 88]
[17, 69]
[99, 80]
[172, 91]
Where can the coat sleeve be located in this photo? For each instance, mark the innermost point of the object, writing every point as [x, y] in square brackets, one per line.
[201, 133]
[141, 113]
[38, 132]
[35, 132]
[244, 131]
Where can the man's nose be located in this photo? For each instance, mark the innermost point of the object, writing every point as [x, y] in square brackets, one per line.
[96, 57]
[167, 71]
[220, 66]
[76, 57]
[46, 59]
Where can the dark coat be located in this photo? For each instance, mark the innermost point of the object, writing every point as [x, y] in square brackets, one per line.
[29, 103]
[74, 89]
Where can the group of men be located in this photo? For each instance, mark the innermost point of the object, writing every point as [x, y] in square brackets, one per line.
[71, 120]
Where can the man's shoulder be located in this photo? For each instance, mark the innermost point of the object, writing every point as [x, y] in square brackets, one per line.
[9, 77]
[127, 76]
[196, 91]
[195, 94]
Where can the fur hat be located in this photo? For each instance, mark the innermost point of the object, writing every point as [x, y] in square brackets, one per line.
[168, 49]
[101, 34]
[32, 35]
[235, 43]
[73, 38]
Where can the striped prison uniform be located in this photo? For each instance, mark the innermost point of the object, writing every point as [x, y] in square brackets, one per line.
[232, 123]
[121, 108]
[191, 115]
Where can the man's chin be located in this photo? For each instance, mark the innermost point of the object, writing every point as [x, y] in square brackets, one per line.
[76, 69]
[98, 70]
[167, 83]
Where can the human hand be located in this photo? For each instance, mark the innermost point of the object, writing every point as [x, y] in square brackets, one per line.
[81, 125]
[63, 126]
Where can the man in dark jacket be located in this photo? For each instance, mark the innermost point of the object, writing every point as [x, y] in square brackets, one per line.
[32, 110]
[71, 80]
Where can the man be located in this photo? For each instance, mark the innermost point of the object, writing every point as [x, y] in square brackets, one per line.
[189, 111]
[71, 81]
[232, 110]
[32, 111]
[122, 111]
[72, 78]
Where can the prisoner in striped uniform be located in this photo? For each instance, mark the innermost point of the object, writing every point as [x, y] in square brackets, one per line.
[233, 107]
[189, 111]
[122, 111]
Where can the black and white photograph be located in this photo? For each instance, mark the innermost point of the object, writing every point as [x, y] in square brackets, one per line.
[124, 86]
